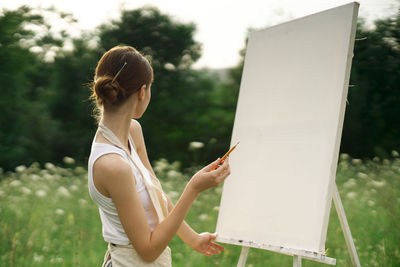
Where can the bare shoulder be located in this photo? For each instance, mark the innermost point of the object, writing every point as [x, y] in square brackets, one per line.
[112, 164]
[111, 171]
[135, 126]
[136, 132]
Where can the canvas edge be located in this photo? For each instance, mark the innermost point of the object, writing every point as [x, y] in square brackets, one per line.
[335, 155]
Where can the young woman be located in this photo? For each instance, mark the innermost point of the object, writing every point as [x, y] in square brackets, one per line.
[138, 219]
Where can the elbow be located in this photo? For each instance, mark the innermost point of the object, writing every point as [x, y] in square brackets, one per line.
[147, 254]
[146, 250]
[150, 259]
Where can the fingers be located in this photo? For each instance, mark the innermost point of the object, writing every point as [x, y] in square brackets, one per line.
[212, 165]
[213, 248]
[225, 164]
[217, 246]
[223, 171]
[208, 247]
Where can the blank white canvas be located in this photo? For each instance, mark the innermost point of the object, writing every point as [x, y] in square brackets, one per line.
[289, 121]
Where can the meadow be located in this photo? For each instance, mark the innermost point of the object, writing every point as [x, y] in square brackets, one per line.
[48, 219]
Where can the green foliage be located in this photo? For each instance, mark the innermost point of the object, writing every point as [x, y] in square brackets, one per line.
[68, 100]
[50, 219]
[46, 113]
[186, 105]
[155, 34]
[372, 122]
[24, 116]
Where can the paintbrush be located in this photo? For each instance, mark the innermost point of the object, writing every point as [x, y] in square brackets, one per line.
[226, 155]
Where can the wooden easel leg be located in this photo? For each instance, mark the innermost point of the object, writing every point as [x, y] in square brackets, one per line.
[243, 257]
[296, 261]
[345, 227]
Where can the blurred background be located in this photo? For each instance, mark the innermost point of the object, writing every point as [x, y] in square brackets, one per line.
[47, 62]
[48, 53]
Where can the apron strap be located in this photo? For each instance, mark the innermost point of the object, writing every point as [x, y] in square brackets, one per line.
[152, 184]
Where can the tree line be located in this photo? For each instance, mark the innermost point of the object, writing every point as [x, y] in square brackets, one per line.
[45, 77]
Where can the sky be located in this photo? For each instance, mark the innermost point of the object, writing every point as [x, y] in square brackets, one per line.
[222, 25]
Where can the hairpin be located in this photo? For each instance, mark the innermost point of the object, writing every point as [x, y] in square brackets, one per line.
[116, 75]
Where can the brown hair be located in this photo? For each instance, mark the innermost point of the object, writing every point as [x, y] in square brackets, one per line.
[110, 89]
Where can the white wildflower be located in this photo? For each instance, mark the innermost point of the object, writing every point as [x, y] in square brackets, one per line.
[37, 257]
[362, 175]
[168, 184]
[15, 183]
[2, 193]
[343, 164]
[73, 187]
[80, 170]
[161, 165]
[56, 260]
[35, 177]
[344, 156]
[82, 201]
[351, 195]
[68, 160]
[195, 146]
[216, 208]
[356, 161]
[169, 66]
[49, 165]
[26, 190]
[371, 203]
[48, 176]
[203, 217]
[62, 191]
[395, 154]
[350, 183]
[376, 159]
[20, 168]
[41, 193]
[173, 194]
[172, 174]
[59, 212]
[176, 165]
[378, 184]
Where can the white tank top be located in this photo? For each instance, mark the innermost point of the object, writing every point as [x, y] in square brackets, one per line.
[112, 229]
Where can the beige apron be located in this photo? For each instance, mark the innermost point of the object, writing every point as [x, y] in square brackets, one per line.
[127, 256]
[124, 256]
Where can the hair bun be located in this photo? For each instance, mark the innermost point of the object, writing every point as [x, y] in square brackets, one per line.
[108, 92]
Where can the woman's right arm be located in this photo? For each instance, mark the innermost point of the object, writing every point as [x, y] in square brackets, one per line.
[117, 178]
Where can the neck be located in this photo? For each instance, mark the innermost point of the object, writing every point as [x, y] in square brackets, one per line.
[118, 123]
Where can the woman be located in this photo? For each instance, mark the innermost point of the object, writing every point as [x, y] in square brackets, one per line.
[138, 219]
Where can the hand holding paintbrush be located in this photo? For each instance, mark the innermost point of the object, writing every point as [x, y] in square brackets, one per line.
[226, 155]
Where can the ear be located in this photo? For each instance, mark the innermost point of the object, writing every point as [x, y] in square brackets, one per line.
[142, 92]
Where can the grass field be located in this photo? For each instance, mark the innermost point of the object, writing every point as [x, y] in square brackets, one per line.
[48, 219]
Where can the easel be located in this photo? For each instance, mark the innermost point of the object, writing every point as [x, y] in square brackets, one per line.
[320, 258]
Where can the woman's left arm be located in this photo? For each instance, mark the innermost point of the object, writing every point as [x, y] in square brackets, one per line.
[203, 242]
